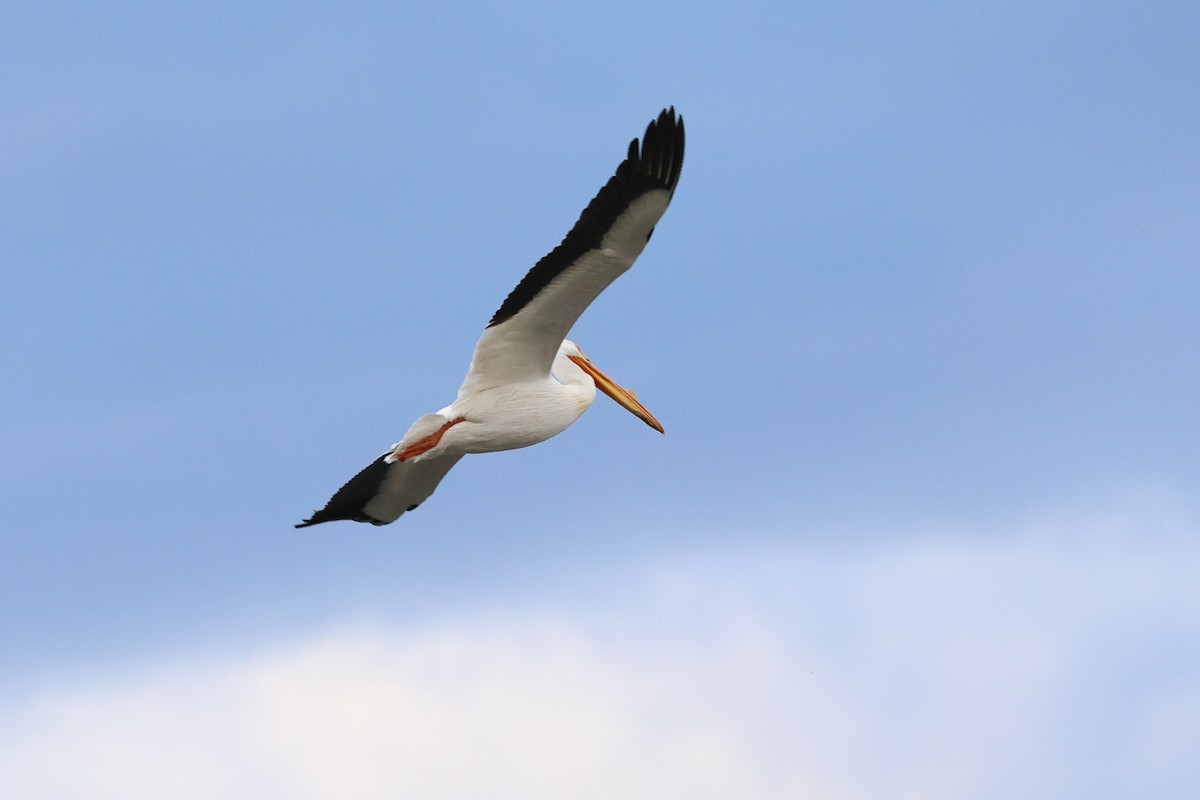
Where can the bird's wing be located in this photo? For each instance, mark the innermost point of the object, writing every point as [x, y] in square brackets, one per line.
[382, 492]
[523, 336]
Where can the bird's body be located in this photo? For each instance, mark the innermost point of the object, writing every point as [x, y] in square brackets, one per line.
[506, 416]
[527, 382]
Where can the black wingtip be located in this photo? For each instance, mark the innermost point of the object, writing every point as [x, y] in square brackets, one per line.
[339, 517]
[661, 153]
[348, 502]
[652, 164]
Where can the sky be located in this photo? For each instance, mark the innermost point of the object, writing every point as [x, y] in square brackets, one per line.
[920, 324]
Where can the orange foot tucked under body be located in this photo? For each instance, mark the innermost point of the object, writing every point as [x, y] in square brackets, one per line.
[428, 443]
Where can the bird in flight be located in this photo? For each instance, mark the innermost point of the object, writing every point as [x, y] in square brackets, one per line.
[527, 382]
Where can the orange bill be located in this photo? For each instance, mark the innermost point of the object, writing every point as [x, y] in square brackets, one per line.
[625, 398]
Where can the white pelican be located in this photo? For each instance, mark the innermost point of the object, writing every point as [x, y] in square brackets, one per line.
[527, 382]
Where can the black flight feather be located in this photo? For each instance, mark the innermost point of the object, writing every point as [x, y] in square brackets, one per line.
[655, 166]
[349, 501]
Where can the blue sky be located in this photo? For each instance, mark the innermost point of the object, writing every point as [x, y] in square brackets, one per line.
[920, 324]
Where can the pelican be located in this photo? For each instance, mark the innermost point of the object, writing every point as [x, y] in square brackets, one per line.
[527, 382]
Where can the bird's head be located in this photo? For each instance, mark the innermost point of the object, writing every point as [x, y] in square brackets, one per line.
[624, 397]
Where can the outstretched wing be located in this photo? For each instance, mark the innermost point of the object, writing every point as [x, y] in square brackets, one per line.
[520, 341]
[382, 492]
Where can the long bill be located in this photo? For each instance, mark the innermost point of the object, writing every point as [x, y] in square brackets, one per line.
[625, 398]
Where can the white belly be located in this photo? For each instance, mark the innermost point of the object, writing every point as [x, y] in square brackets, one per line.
[514, 416]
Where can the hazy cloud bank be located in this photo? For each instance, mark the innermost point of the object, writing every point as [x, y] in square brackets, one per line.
[1061, 659]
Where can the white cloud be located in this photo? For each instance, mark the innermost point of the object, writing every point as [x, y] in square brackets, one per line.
[1062, 659]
